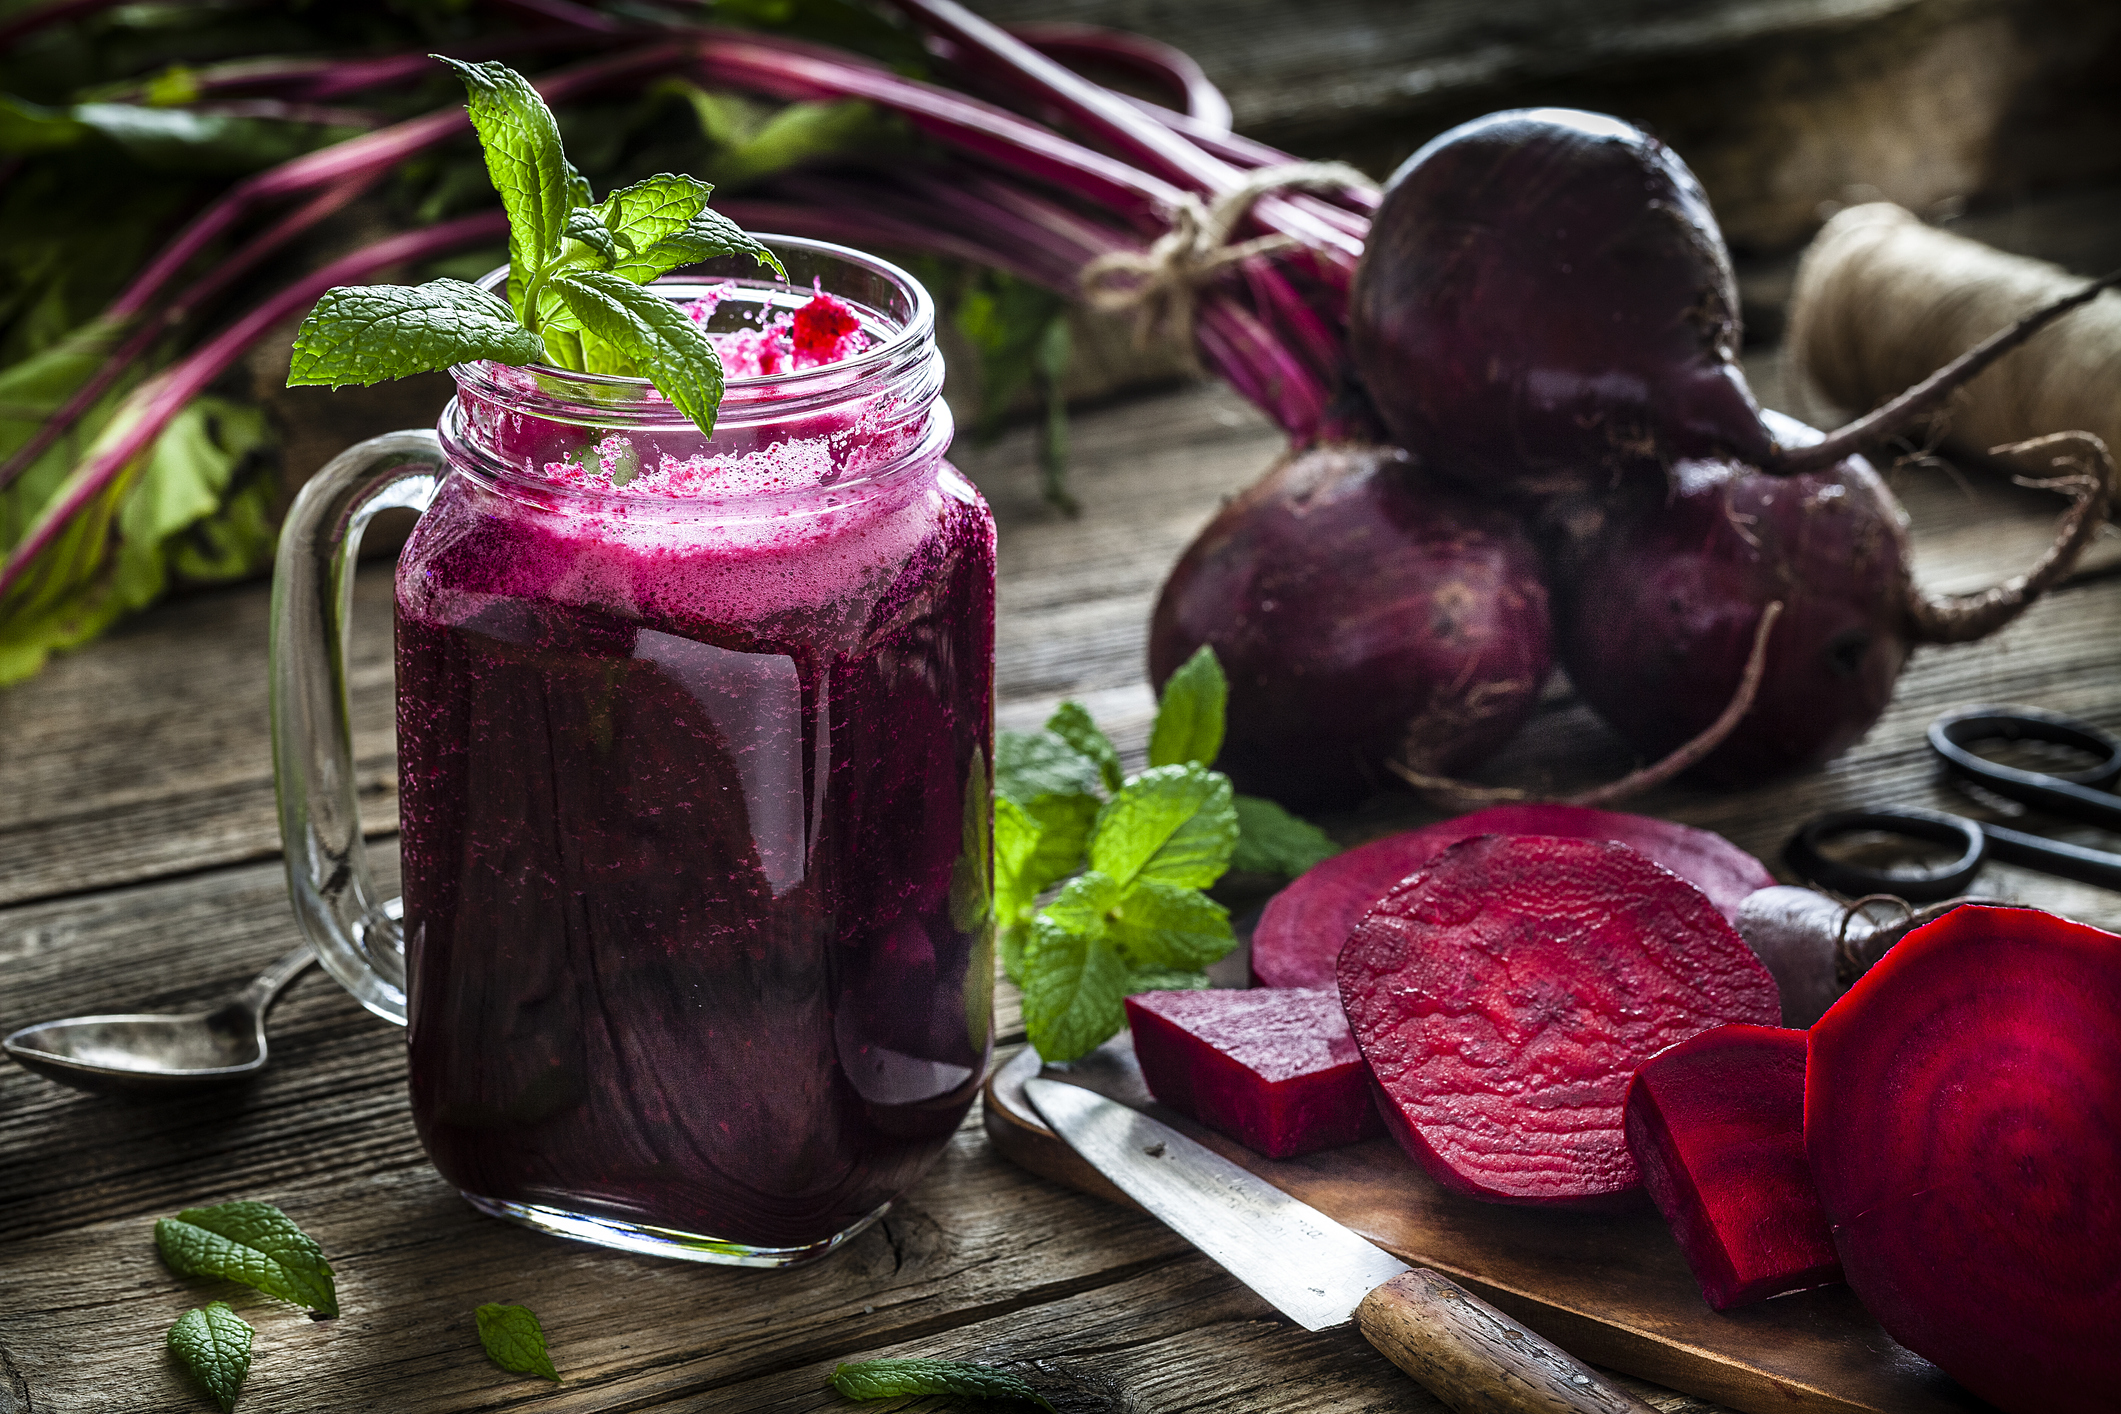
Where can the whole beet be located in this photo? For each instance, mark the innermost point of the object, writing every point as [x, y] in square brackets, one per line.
[1363, 612]
[1545, 304]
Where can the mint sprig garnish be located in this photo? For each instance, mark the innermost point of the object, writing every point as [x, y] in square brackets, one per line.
[1130, 856]
[889, 1379]
[253, 1243]
[213, 1343]
[514, 1340]
[576, 268]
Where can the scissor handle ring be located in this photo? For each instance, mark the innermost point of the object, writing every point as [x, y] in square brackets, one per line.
[1925, 886]
[1951, 734]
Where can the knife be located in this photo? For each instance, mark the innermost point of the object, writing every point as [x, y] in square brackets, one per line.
[1322, 1275]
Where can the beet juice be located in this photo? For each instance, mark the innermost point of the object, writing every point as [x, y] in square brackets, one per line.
[693, 751]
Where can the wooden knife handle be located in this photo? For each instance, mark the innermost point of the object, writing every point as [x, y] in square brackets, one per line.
[1474, 1358]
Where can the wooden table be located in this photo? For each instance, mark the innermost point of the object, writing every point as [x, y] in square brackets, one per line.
[138, 869]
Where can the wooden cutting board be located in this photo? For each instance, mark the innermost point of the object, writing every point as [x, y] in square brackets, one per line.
[1612, 1290]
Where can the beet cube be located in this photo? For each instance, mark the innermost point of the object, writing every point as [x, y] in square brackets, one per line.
[1716, 1126]
[1275, 1070]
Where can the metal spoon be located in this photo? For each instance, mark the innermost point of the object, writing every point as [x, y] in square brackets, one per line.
[159, 1053]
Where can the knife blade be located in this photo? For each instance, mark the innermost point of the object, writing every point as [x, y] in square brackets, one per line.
[1322, 1274]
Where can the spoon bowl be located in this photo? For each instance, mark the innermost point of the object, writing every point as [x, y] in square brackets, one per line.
[159, 1053]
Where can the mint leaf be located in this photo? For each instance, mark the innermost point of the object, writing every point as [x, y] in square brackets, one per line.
[254, 1243]
[1164, 926]
[525, 160]
[514, 1340]
[888, 1379]
[369, 333]
[1081, 907]
[1042, 844]
[706, 236]
[584, 226]
[1173, 824]
[653, 334]
[1028, 765]
[214, 1344]
[1272, 841]
[1166, 979]
[1189, 717]
[1073, 990]
[1071, 723]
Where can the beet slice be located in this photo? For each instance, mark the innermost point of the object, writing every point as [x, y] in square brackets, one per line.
[1277, 1071]
[1303, 927]
[1716, 1128]
[1962, 1113]
[1505, 995]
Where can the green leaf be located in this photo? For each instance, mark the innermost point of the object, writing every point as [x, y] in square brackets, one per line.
[584, 226]
[1272, 841]
[214, 1344]
[525, 160]
[1035, 847]
[254, 1243]
[1166, 979]
[515, 1341]
[707, 236]
[650, 211]
[1189, 717]
[660, 339]
[1173, 824]
[1082, 906]
[1165, 926]
[1073, 990]
[888, 1379]
[370, 333]
[1071, 723]
[1028, 765]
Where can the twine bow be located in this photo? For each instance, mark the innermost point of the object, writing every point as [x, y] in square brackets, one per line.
[1162, 284]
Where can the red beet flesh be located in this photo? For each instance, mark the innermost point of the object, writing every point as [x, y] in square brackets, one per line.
[1544, 302]
[1303, 927]
[1277, 1071]
[1657, 608]
[1962, 1114]
[1362, 612]
[1716, 1128]
[1505, 995]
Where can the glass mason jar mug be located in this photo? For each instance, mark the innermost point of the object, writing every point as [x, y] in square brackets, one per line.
[695, 953]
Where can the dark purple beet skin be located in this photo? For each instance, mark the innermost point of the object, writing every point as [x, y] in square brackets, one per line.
[1362, 612]
[1657, 605]
[1304, 926]
[1545, 304]
[1277, 1071]
[1716, 1127]
[1505, 995]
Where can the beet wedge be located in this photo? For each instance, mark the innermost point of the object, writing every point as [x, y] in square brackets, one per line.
[1277, 1071]
[1305, 925]
[1505, 996]
[1716, 1128]
[1962, 1115]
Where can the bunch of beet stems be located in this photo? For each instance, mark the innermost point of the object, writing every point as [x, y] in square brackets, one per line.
[1040, 205]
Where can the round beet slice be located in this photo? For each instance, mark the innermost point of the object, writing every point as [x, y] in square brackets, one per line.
[1962, 1115]
[1505, 995]
[1303, 927]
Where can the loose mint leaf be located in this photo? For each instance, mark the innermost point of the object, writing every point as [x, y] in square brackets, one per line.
[888, 1379]
[1272, 841]
[254, 1243]
[1173, 824]
[1044, 845]
[1071, 723]
[515, 1341]
[525, 160]
[370, 333]
[1165, 979]
[1165, 926]
[1028, 765]
[1189, 718]
[655, 335]
[584, 226]
[214, 1344]
[1081, 906]
[1073, 990]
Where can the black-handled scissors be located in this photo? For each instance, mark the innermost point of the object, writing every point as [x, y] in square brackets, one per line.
[2080, 795]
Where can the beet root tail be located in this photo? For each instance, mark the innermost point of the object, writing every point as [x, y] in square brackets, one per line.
[1464, 795]
[1962, 618]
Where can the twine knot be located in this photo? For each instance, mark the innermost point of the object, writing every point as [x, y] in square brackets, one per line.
[1162, 284]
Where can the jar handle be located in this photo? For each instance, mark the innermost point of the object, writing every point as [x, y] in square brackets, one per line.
[358, 937]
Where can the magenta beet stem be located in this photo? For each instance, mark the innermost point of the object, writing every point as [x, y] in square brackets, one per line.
[54, 14]
[1152, 59]
[161, 397]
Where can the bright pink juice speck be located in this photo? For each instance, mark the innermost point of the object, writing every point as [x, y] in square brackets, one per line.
[691, 835]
